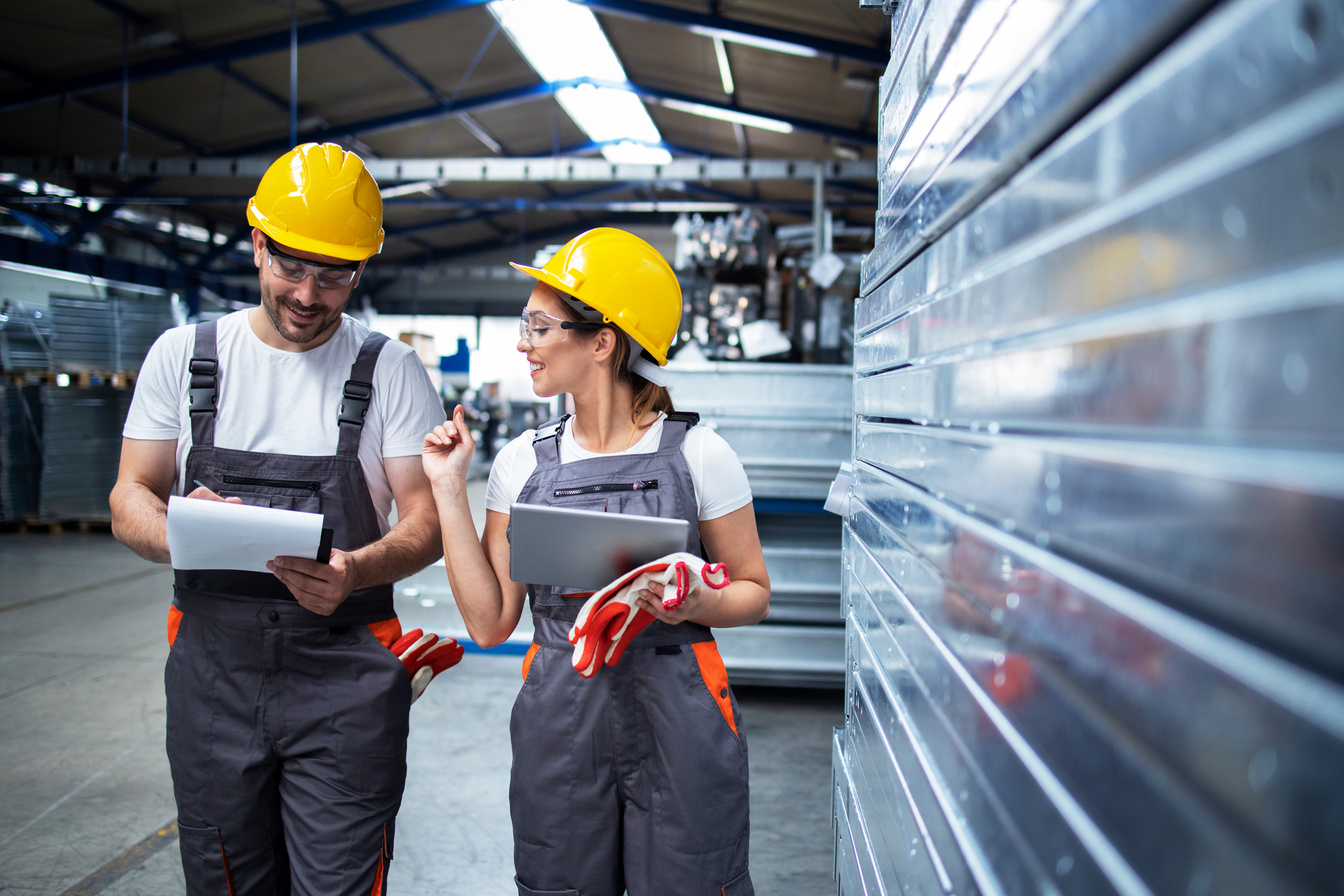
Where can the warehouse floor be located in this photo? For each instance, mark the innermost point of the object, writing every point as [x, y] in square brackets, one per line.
[88, 803]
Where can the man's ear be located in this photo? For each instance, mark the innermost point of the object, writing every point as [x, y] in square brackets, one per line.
[258, 246]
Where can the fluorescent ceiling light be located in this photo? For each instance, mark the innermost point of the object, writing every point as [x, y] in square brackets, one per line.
[751, 121]
[725, 72]
[749, 40]
[627, 152]
[562, 41]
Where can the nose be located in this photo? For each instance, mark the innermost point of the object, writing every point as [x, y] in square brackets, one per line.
[523, 345]
[305, 290]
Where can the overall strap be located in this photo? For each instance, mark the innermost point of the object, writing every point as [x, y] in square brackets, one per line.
[674, 435]
[546, 443]
[203, 394]
[357, 394]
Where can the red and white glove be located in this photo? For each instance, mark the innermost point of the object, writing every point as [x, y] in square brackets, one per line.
[612, 617]
[424, 655]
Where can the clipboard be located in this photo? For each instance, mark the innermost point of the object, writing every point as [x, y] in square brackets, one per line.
[585, 549]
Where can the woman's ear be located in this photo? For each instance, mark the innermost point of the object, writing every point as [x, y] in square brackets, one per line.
[604, 343]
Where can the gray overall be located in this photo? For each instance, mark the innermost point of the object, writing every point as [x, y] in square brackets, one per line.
[634, 780]
[286, 729]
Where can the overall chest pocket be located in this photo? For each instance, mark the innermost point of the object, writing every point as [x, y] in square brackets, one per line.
[641, 493]
[285, 494]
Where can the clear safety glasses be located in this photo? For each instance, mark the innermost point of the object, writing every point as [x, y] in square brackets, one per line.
[327, 276]
[539, 328]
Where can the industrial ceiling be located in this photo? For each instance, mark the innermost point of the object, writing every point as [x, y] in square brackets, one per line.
[165, 112]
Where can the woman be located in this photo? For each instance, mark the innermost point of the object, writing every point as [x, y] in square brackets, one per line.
[633, 780]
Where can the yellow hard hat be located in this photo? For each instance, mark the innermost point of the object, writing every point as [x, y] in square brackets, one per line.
[319, 198]
[622, 277]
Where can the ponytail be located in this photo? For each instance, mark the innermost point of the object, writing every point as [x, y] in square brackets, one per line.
[648, 396]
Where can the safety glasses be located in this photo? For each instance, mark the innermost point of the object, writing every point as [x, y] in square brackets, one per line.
[327, 276]
[538, 328]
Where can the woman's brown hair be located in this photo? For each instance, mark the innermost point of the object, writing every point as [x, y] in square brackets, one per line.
[648, 396]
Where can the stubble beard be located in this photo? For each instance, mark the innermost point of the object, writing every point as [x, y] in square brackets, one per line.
[275, 306]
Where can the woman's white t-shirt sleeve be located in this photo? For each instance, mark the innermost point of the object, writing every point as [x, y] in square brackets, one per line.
[720, 482]
[509, 472]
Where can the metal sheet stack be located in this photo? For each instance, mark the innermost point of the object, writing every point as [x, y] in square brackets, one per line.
[1095, 543]
[81, 430]
[20, 451]
[790, 426]
[106, 334]
[25, 337]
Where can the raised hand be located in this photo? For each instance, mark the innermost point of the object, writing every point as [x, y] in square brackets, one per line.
[446, 454]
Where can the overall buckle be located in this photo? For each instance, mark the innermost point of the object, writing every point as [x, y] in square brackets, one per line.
[355, 402]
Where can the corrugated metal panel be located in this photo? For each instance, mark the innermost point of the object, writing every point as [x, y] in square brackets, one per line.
[1096, 537]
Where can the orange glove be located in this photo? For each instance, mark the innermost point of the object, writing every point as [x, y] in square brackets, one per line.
[425, 656]
[611, 618]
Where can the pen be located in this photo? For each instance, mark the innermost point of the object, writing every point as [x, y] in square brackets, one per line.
[201, 484]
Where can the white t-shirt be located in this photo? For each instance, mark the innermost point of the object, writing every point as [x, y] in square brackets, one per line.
[280, 402]
[720, 482]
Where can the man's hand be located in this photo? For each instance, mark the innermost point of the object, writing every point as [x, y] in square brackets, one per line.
[202, 493]
[320, 587]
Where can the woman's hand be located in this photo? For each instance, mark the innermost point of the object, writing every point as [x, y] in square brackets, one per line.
[651, 599]
[446, 454]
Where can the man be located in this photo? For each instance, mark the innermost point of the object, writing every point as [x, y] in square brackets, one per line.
[287, 713]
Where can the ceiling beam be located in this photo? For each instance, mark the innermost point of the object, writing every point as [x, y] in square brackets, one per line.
[358, 23]
[489, 169]
[272, 42]
[684, 18]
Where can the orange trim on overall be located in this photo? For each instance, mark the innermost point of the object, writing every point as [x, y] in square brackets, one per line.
[716, 678]
[387, 632]
[224, 859]
[382, 856]
[174, 622]
[527, 659]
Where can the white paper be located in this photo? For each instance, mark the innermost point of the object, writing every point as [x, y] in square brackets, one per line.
[219, 535]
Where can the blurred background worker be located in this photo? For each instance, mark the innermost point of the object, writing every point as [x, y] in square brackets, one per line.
[634, 779]
[287, 713]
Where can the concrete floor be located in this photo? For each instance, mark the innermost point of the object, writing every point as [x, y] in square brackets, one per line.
[88, 805]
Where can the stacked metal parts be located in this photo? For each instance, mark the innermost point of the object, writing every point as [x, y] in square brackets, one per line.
[81, 435]
[1095, 541]
[25, 337]
[20, 451]
[790, 426]
[106, 335]
[60, 444]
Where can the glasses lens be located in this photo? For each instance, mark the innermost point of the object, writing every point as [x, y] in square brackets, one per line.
[294, 271]
[540, 329]
[287, 268]
[331, 279]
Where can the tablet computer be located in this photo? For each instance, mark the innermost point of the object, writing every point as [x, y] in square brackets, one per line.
[585, 549]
